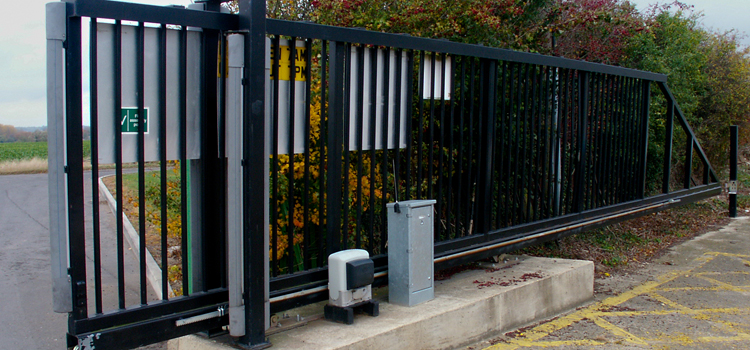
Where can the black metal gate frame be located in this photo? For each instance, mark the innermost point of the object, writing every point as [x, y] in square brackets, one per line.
[291, 290]
[148, 322]
[155, 322]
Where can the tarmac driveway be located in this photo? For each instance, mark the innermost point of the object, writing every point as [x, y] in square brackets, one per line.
[695, 297]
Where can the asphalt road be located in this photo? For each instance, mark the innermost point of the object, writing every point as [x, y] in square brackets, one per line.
[26, 317]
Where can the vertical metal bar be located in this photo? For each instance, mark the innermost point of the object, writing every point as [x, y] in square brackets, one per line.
[539, 143]
[409, 122]
[420, 127]
[525, 184]
[733, 145]
[469, 157]
[688, 162]
[118, 166]
[516, 193]
[629, 133]
[398, 103]
[619, 127]
[486, 153]
[373, 132]
[220, 243]
[335, 144]
[360, 126]
[255, 174]
[547, 149]
[645, 106]
[163, 158]
[384, 142]
[630, 113]
[440, 143]
[140, 89]
[563, 142]
[56, 33]
[450, 158]
[183, 105]
[347, 155]
[213, 192]
[583, 111]
[536, 126]
[501, 157]
[600, 121]
[291, 135]
[431, 127]
[556, 144]
[530, 112]
[571, 86]
[276, 169]
[610, 141]
[460, 151]
[322, 194]
[590, 187]
[74, 147]
[601, 158]
[94, 108]
[308, 126]
[635, 148]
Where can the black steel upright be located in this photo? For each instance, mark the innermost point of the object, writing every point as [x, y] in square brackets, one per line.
[213, 175]
[733, 142]
[74, 168]
[253, 20]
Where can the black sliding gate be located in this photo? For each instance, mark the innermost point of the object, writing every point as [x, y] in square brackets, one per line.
[334, 123]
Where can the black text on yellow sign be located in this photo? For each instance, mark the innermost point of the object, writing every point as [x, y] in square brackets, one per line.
[285, 66]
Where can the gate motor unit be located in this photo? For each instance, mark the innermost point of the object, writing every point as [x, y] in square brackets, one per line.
[350, 276]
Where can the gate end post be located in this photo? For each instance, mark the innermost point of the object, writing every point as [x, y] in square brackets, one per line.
[733, 143]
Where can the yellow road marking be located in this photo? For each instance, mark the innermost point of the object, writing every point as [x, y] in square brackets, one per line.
[535, 337]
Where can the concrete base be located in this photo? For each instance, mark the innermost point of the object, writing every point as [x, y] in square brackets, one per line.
[467, 307]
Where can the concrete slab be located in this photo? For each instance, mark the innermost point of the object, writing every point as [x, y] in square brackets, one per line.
[467, 307]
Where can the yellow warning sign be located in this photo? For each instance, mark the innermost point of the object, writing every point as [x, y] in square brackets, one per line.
[285, 66]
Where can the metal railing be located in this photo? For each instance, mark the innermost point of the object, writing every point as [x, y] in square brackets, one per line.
[511, 145]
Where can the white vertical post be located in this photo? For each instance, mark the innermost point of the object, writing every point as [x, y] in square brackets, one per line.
[58, 220]
[236, 58]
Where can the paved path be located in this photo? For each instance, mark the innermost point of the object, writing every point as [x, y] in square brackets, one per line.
[26, 317]
[695, 297]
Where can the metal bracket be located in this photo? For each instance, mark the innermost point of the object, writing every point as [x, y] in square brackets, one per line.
[221, 311]
[732, 187]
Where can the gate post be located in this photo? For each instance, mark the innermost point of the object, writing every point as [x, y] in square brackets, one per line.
[56, 34]
[733, 135]
[255, 174]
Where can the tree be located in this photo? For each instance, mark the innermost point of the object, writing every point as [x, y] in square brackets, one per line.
[595, 30]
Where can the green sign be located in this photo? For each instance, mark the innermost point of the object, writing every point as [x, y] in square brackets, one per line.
[129, 120]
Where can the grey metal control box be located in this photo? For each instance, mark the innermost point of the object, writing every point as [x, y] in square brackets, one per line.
[410, 252]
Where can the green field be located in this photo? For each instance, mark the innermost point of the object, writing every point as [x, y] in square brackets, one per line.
[27, 150]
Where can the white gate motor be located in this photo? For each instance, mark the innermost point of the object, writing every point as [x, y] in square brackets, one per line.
[350, 276]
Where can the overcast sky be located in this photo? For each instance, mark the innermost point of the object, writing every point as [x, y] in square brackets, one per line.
[23, 55]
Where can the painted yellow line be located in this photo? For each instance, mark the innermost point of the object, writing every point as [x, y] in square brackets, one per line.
[658, 297]
[617, 331]
[596, 312]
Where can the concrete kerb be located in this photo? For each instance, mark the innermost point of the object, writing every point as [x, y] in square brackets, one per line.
[467, 307]
[153, 271]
